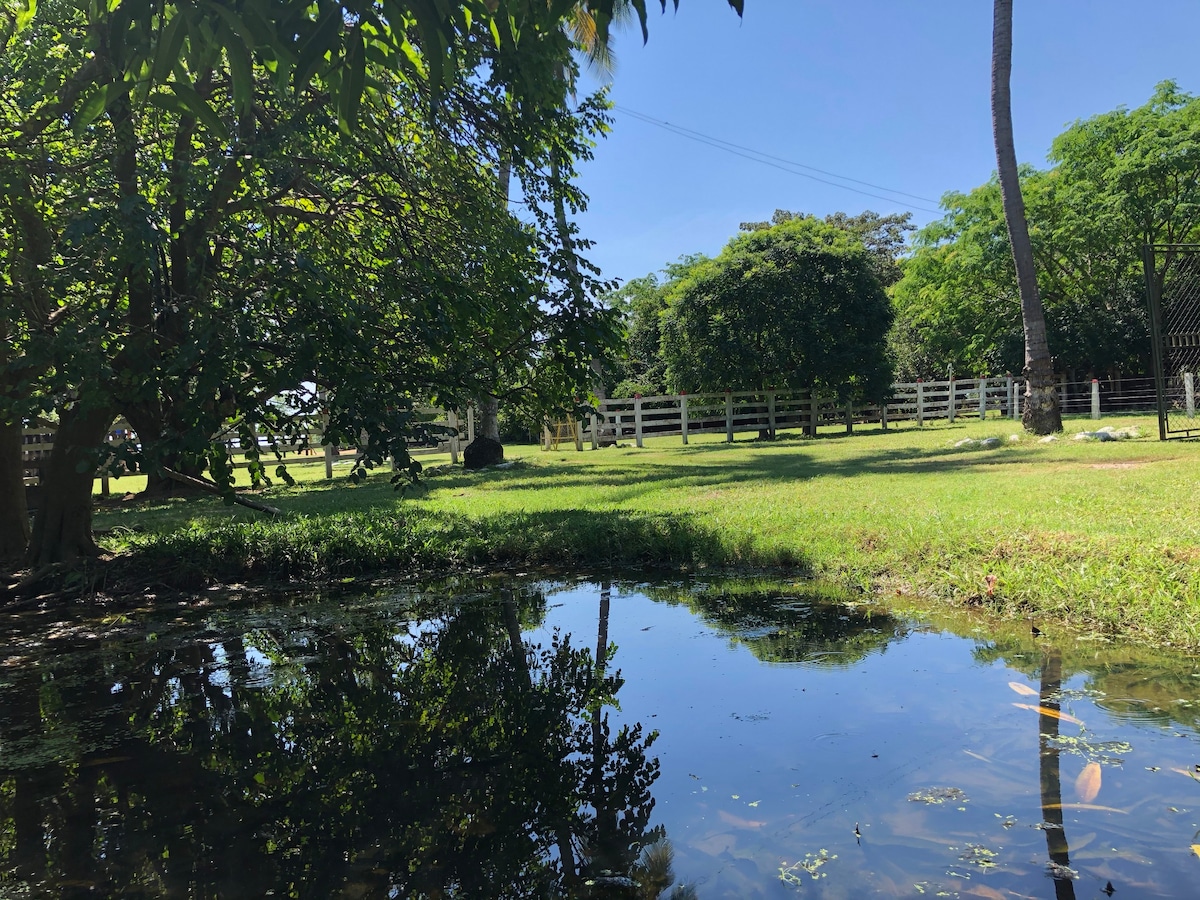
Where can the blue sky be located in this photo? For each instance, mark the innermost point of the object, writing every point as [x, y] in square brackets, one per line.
[893, 92]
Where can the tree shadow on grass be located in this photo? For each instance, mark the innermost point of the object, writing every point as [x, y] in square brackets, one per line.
[789, 465]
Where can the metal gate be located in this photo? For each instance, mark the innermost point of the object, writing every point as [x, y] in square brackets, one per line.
[1173, 290]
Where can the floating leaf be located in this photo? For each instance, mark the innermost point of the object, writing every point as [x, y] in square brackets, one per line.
[1052, 713]
[1094, 806]
[738, 821]
[1196, 849]
[1087, 785]
[1023, 689]
[982, 890]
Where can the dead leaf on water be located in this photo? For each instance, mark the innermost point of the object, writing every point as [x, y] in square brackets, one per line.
[1087, 785]
[1052, 713]
[1190, 773]
[1196, 849]
[738, 821]
[1094, 806]
[1023, 689]
[982, 890]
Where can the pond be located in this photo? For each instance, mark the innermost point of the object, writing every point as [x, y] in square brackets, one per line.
[498, 738]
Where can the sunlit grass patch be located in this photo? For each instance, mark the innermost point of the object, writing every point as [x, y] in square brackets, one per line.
[1094, 535]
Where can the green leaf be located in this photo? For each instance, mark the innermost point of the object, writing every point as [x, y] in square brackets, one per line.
[99, 100]
[352, 82]
[200, 108]
[241, 70]
[318, 43]
[170, 43]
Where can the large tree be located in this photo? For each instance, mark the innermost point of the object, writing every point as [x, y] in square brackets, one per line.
[222, 78]
[1041, 414]
[798, 304]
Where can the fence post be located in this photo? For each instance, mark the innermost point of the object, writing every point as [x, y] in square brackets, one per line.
[325, 445]
[546, 439]
[983, 398]
[953, 399]
[883, 411]
[637, 418]
[683, 416]
[728, 416]
[595, 432]
[920, 402]
[1009, 393]
[578, 434]
[771, 412]
[1095, 398]
[1189, 390]
[470, 423]
[849, 416]
[452, 421]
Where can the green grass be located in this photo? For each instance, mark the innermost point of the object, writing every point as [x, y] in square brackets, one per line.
[1102, 537]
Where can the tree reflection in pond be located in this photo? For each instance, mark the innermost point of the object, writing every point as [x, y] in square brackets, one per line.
[370, 751]
[810, 623]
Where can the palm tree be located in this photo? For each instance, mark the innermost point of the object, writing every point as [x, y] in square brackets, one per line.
[1042, 414]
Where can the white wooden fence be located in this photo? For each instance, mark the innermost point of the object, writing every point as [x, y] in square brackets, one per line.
[735, 412]
[38, 441]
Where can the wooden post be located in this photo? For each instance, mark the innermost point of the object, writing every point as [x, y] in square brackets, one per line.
[1096, 396]
[1189, 391]
[953, 390]
[683, 416]
[728, 416]
[637, 418]
[471, 423]
[812, 414]
[546, 439]
[849, 417]
[883, 411]
[920, 402]
[452, 421]
[578, 434]
[326, 446]
[595, 431]
[1012, 406]
[983, 398]
[771, 412]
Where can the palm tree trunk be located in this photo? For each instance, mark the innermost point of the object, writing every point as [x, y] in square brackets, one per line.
[1042, 415]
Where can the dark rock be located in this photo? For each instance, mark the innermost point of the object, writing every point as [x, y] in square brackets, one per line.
[482, 452]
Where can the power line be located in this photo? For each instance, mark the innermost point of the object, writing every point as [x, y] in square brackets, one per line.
[775, 162]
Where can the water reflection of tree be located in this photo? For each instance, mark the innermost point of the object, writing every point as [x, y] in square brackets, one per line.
[790, 626]
[1136, 682]
[1050, 779]
[327, 756]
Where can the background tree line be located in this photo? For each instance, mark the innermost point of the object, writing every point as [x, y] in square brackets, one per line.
[1117, 181]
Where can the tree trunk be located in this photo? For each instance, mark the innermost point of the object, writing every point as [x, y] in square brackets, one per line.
[62, 531]
[1041, 413]
[489, 418]
[14, 514]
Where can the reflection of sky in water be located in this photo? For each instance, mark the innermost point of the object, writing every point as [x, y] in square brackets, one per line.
[766, 765]
[871, 757]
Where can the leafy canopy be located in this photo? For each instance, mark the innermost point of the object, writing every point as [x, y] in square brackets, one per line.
[798, 304]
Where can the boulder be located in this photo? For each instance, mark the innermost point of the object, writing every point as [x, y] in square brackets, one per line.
[482, 452]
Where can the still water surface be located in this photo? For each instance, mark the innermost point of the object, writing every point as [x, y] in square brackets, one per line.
[485, 739]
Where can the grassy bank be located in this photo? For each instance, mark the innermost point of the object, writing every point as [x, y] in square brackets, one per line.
[1102, 537]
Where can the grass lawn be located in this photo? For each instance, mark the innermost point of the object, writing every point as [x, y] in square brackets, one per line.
[1102, 537]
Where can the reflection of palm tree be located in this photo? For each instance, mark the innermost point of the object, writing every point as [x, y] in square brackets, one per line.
[1051, 782]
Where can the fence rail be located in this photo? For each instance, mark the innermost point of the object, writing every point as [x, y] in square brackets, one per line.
[728, 413]
[451, 428]
[737, 412]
